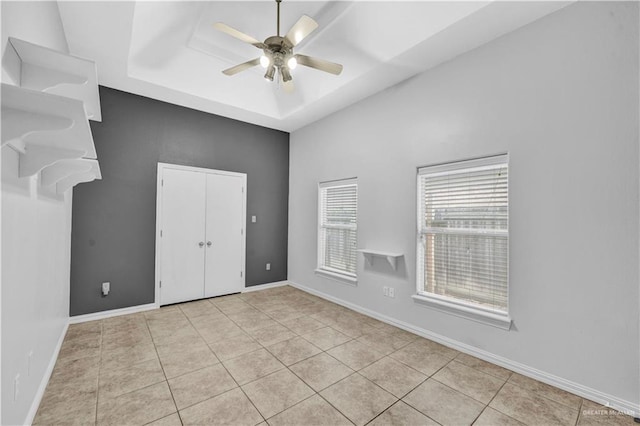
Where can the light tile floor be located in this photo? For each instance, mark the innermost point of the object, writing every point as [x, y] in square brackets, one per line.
[289, 358]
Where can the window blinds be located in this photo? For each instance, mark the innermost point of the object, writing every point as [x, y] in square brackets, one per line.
[463, 232]
[338, 226]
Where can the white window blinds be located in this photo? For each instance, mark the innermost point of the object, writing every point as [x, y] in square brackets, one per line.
[463, 240]
[337, 226]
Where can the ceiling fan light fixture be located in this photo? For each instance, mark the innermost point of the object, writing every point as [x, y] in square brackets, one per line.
[292, 63]
[286, 75]
[265, 61]
[270, 73]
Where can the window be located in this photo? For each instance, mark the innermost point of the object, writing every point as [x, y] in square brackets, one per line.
[337, 228]
[463, 238]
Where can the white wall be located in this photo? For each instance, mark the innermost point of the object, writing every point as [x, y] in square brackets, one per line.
[36, 232]
[561, 97]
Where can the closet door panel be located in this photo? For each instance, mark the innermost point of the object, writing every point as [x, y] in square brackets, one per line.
[183, 228]
[225, 227]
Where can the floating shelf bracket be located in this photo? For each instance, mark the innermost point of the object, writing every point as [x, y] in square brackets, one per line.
[72, 180]
[392, 258]
[62, 169]
[45, 70]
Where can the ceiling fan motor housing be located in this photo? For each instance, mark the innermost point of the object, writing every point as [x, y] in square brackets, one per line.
[278, 49]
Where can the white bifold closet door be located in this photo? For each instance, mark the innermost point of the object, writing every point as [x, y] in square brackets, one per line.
[225, 229]
[202, 234]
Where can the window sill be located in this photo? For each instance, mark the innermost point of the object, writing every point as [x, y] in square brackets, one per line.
[345, 279]
[463, 311]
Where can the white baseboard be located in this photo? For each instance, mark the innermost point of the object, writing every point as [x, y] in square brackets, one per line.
[45, 378]
[627, 407]
[112, 313]
[265, 286]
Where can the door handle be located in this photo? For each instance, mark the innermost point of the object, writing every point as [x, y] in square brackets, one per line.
[201, 244]
[208, 243]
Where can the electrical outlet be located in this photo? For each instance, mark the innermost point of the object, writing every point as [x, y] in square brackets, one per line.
[106, 287]
[392, 292]
[268, 266]
[253, 219]
[385, 291]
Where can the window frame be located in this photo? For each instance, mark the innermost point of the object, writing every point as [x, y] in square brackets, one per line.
[321, 269]
[448, 304]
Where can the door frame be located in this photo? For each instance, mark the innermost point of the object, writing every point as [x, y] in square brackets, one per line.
[158, 265]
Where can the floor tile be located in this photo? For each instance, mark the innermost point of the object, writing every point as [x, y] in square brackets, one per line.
[326, 338]
[233, 347]
[592, 414]
[443, 404]
[272, 334]
[313, 411]
[491, 417]
[125, 339]
[285, 314]
[434, 348]
[293, 350]
[543, 389]
[353, 329]
[397, 332]
[476, 384]
[80, 372]
[417, 357]
[355, 355]
[226, 329]
[167, 335]
[531, 408]
[252, 366]
[86, 346]
[114, 382]
[232, 408]
[358, 399]
[382, 342]
[321, 371]
[255, 335]
[177, 361]
[124, 357]
[393, 376]
[200, 385]
[277, 392]
[198, 308]
[484, 366]
[302, 325]
[137, 407]
[170, 420]
[400, 414]
[67, 406]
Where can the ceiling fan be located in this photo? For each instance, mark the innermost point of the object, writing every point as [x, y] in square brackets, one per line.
[278, 51]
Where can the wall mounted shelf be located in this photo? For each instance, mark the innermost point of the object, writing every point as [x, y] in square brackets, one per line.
[73, 179]
[44, 128]
[42, 69]
[392, 258]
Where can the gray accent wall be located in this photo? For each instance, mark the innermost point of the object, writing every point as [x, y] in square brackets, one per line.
[113, 229]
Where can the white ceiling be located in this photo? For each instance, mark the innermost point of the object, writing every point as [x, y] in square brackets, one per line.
[170, 51]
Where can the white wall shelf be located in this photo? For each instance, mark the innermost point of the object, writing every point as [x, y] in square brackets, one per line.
[41, 69]
[392, 258]
[70, 172]
[73, 179]
[44, 128]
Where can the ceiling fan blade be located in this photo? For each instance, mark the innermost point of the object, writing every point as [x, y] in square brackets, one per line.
[319, 64]
[305, 26]
[238, 34]
[241, 67]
